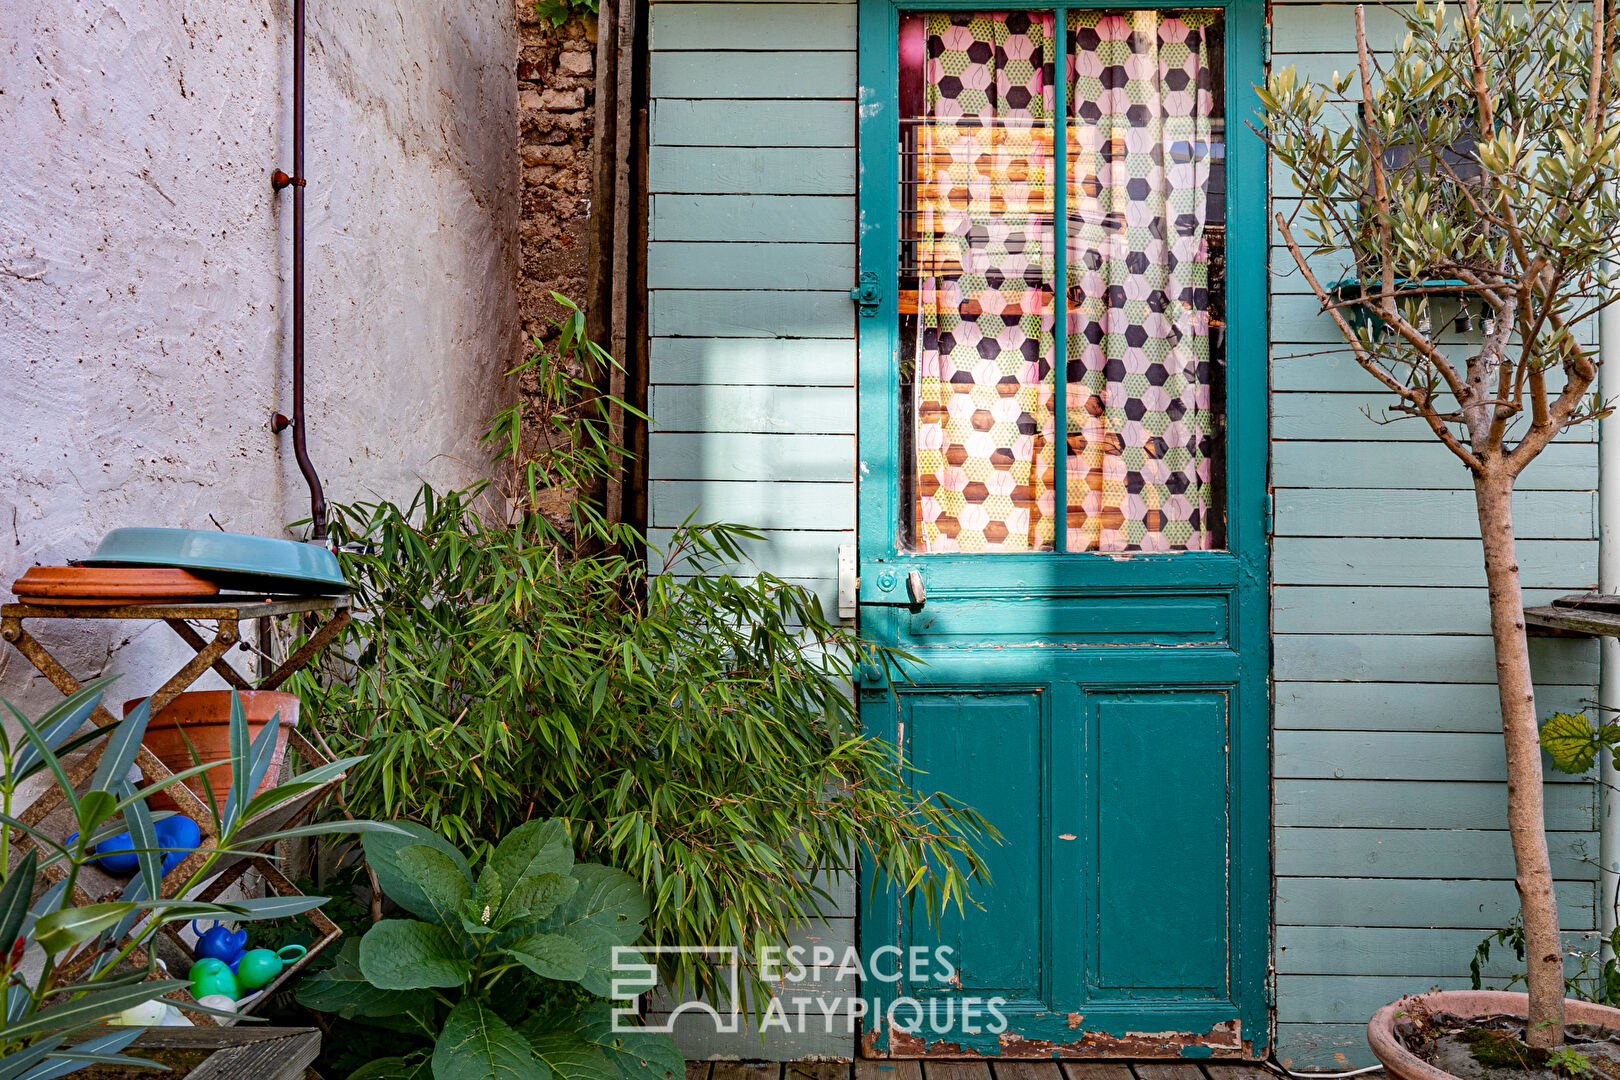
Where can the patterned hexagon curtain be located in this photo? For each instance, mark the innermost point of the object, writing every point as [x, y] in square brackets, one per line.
[1142, 151]
[977, 103]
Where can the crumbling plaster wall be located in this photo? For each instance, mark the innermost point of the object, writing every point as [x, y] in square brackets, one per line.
[145, 270]
[556, 111]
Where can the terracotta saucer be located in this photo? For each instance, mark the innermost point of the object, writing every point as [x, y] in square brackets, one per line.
[93, 585]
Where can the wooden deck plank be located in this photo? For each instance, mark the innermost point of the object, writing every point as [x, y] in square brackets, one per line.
[956, 1070]
[1155, 1070]
[1026, 1070]
[816, 1070]
[1237, 1072]
[746, 1070]
[888, 1070]
[697, 1070]
[1096, 1070]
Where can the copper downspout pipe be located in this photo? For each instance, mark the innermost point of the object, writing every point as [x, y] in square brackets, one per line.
[279, 180]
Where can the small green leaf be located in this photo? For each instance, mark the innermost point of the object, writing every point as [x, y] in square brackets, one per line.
[536, 897]
[382, 855]
[535, 847]
[344, 989]
[1570, 741]
[400, 954]
[61, 930]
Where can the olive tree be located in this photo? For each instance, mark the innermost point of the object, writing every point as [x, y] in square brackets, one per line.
[1471, 173]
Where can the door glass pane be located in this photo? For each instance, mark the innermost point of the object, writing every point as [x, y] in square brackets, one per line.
[976, 273]
[1145, 281]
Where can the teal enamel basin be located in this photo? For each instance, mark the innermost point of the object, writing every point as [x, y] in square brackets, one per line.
[235, 561]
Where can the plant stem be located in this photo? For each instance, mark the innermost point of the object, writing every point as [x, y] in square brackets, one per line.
[1493, 496]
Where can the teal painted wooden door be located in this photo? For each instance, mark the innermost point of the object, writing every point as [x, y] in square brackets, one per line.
[1062, 468]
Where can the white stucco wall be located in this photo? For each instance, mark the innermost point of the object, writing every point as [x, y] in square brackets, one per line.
[145, 269]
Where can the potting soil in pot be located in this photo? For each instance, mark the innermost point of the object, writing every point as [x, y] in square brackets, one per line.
[1493, 1048]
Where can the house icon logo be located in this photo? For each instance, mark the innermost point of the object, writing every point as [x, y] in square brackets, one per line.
[633, 975]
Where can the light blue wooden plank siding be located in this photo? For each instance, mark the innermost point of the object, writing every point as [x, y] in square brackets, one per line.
[751, 255]
[1390, 854]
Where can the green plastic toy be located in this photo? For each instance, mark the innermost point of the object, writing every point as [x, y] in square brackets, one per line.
[259, 967]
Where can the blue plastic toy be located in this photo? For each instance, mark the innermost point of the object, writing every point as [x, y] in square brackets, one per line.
[178, 832]
[220, 943]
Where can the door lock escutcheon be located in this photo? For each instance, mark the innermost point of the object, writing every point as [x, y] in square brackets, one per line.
[866, 295]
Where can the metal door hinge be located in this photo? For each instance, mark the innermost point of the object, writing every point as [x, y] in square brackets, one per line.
[1270, 511]
[866, 294]
[1265, 44]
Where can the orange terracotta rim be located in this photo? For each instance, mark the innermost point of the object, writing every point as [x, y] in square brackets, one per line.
[1402, 1064]
[83, 585]
[214, 707]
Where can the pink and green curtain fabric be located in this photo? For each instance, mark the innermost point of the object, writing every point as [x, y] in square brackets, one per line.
[1140, 418]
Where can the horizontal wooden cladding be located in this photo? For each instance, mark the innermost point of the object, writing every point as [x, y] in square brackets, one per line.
[1333, 369]
[1423, 853]
[812, 267]
[749, 456]
[1395, 950]
[729, 313]
[760, 505]
[1429, 466]
[776, 170]
[1400, 512]
[765, 409]
[1331, 28]
[1080, 620]
[753, 361]
[824, 588]
[1297, 320]
[1309, 560]
[1348, 609]
[1420, 804]
[1394, 755]
[1323, 1047]
[1423, 658]
[1340, 999]
[738, 75]
[1360, 416]
[1420, 902]
[1391, 706]
[814, 219]
[753, 27]
[753, 123]
[787, 553]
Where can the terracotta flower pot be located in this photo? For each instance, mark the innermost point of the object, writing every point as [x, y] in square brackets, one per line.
[204, 718]
[86, 585]
[1402, 1064]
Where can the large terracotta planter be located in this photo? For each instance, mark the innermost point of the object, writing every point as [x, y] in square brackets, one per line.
[1402, 1064]
[204, 718]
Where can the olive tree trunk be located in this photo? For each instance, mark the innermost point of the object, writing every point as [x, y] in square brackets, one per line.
[1493, 496]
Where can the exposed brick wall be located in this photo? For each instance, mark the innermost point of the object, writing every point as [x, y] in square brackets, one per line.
[556, 88]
